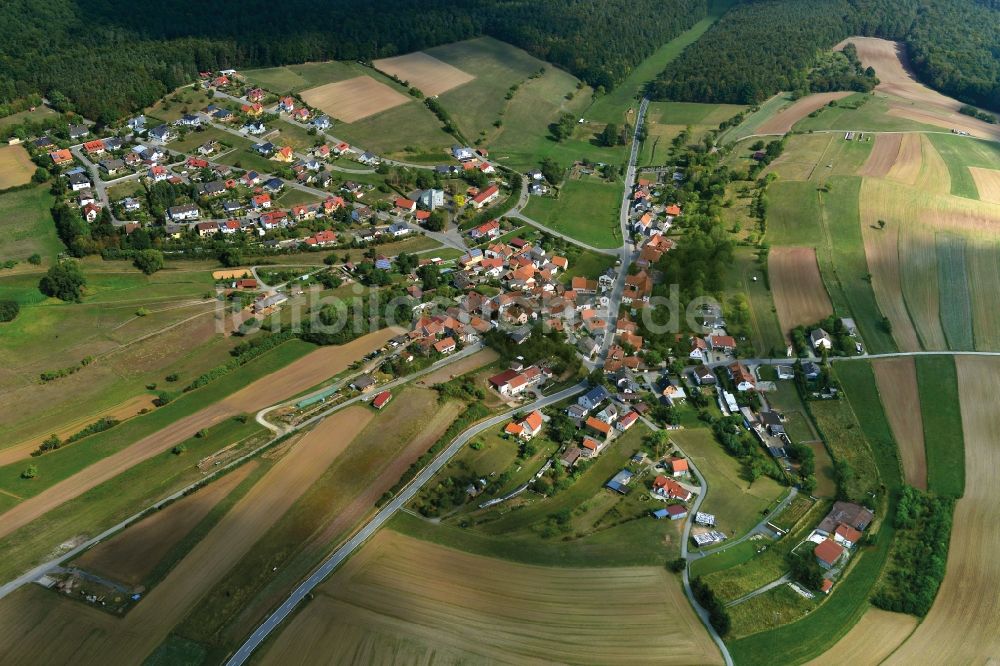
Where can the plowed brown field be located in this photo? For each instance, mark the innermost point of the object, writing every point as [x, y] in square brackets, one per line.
[424, 72]
[782, 122]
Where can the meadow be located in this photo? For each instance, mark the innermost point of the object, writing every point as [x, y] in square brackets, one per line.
[937, 384]
[585, 209]
[26, 227]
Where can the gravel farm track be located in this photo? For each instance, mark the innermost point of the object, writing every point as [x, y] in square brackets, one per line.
[303, 374]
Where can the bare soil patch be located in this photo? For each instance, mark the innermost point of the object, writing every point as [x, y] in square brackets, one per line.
[897, 386]
[883, 155]
[799, 295]
[131, 555]
[459, 368]
[782, 121]
[871, 640]
[353, 99]
[123, 411]
[424, 72]
[961, 626]
[987, 183]
[446, 605]
[16, 167]
[295, 378]
[231, 273]
[132, 638]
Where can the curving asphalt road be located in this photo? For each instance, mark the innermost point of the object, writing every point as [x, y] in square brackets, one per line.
[343, 552]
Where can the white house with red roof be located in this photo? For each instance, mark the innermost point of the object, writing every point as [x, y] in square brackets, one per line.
[486, 197]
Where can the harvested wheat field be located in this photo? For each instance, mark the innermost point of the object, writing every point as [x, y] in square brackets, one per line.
[987, 183]
[125, 410]
[781, 123]
[131, 639]
[878, 202]
[883, 155]
[916, 101]
[131, 555]
[353, 99]
[433, 604]
[961, 627]
[467, 364]
[870, 641]
[897, 387]
[303, 374]
[232, 274]
[906, 167]
[16, 167]
[424, 72]
[799, 295]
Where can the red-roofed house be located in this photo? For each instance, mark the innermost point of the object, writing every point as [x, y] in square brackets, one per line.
[408, 205]
[828, 553]
[486, 196]
[597, 426]
[445, 346]
[196, 163]
[673, 210]
[627, 421]
[287, 104]
[664, 486]
[490, 229]
[742, 377]
[679, 466]
[62, 156]
[591, 447]
[261, 201]
[381, 400]
[95, 147]
[846, 535]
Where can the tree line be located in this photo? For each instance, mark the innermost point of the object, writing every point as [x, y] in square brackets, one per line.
[762, 47]
[106, 59]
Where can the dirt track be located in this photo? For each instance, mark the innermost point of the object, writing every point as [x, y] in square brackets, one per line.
[897, 386]
[131, 639]
[782, 122]
[799, 295]
[130, 556]
[294, 378]
[961, 627]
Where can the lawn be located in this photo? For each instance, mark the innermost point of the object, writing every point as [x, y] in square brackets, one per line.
[110, 502]
[290, 134]
[585, 209]
[737, 504]
[944, 447]
[730, 557]
[793, 214]
[408, 131]
[182, 101]
[959, 153]
[194, 138]
[767, 337]
[586, 263]
[245, 158]
[40, 113]
[26, 227]
[293, 196]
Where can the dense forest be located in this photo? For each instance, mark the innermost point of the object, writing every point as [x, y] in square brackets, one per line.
[763, 46]
[106, 58]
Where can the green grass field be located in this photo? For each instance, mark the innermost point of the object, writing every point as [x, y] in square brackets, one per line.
[408, 131]
[58, 465]
[26, 227]
[793, 214]
[815, 157]
[110, 502]
[194, 139]
[585, 209]
[665, 120]
[959, 153]
[773, 608]
[728, 558]
[937, 382]
[754, 120]
[737, 504]
[871, 116]
[296, 78]
[953, 283]
[645, 539]
[290, 134]
[40, 113]
[767, 339]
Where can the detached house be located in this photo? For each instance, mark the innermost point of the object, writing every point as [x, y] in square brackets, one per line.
[666, 487]
[527, 428]
[486, 197]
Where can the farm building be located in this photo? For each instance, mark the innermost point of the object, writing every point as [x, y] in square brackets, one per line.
[828, 553]
[708, 538]
[706, 519]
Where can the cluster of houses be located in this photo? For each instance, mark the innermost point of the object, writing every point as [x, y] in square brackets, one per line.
[836, 535]
[646, 218]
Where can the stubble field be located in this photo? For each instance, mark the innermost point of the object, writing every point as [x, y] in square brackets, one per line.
[799, 295]
[353, 99]
[401, 599]
[424, 72]
[897, 386]
[961, 626]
